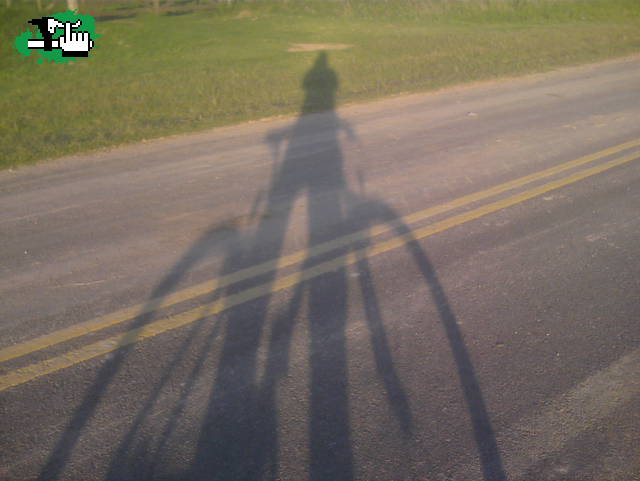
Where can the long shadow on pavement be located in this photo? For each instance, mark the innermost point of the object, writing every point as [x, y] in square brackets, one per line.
[238, 433]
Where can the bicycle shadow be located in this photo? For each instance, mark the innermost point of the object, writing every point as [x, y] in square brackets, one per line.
[238, 432]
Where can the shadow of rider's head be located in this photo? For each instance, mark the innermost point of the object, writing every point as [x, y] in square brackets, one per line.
[320, 85]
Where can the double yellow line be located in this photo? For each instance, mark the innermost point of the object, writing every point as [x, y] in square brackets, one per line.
[30, 372]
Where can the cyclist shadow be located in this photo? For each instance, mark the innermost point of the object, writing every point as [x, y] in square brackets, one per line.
[237, 435]
[242, 416]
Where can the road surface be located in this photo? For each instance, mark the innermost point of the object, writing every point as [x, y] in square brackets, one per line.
[429, 287]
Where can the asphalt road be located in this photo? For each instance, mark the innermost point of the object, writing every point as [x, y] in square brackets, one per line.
[430, 287]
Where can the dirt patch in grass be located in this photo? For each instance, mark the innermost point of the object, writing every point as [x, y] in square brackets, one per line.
[310, 47]
[244, 14]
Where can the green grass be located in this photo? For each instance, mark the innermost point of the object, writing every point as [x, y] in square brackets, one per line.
[153, 75]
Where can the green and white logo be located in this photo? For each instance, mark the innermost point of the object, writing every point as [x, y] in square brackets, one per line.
[59, 38]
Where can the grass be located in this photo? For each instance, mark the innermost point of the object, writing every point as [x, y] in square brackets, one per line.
[194, 67]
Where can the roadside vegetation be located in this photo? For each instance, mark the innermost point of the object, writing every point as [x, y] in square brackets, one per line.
[195, 65]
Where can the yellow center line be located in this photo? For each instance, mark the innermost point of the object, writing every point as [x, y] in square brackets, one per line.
[33, 371]
[123, 315]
